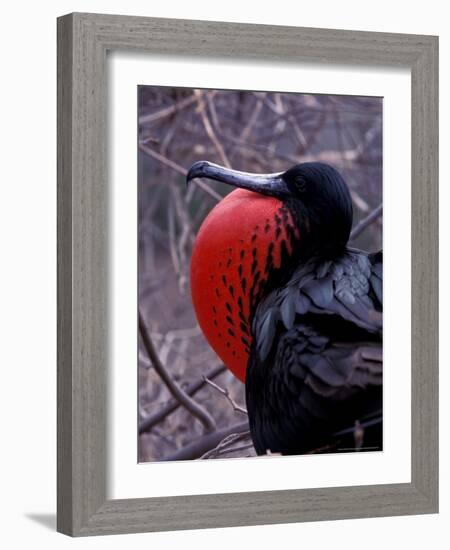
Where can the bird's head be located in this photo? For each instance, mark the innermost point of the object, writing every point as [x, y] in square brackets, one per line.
[254, 238]
[315, 194]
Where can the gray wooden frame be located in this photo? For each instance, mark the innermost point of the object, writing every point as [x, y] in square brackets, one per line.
[83, 41]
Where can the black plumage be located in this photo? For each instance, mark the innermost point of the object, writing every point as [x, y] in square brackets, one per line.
[315, 368]
[314, 375]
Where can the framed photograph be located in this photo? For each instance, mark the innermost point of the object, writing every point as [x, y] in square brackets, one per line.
[247, 274]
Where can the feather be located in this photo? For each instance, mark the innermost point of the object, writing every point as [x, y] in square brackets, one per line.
[334, 374]
[317, 362]
[320, 292]
[266, 334]
[303, 304]
[323, 269]
[310, 401]
[377, 287]
[287, 310]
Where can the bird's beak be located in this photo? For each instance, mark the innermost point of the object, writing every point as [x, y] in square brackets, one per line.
[272, 185]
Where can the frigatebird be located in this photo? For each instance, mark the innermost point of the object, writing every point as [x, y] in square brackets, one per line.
[291, 309]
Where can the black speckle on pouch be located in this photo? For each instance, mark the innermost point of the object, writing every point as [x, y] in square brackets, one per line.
[243, 327]
[245, 342]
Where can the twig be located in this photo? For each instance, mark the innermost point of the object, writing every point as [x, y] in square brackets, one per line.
[188, 403]
[245, 134]
[280, 125]
[209, 129]
[365, 222]
[205, 443]
[212, 109]
[236, 449]
[293, 122]
[149, 422]
[164, 160]
[258, 148]
[177, 168]
[167, 111]
[172, 239]
[226, 393]
[367, 424]
[170, 134]
[225, 444]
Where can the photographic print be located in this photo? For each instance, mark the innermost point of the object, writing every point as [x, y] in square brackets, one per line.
[260, 274]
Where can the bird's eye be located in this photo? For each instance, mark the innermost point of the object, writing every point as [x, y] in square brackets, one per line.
[300, 184]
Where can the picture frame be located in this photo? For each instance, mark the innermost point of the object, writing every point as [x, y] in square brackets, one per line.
[83, 42]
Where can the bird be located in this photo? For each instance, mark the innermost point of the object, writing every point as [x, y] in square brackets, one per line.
[291, 309]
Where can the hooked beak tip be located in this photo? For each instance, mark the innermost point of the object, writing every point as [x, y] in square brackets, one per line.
[197, 170]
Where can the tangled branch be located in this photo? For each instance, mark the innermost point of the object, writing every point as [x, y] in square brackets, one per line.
[186, 400]
[226, 393]
[198, 448]
[374, 215]
[152, 420]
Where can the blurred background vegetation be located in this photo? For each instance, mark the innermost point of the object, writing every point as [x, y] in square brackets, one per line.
[250, 131]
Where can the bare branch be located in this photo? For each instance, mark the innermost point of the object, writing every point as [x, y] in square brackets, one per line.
[188, 403]
[172, 239]
[226, 393]
[177, 168]
[209, 129]
[205, 443]
[236, 449]
[376, 213]
[164, 160]
[245, 134]
[149, 422]
[163, 113]
[226, 444]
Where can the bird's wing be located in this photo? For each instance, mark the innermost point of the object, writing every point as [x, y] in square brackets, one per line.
[345, 294]
[317, 345]
[316, 390]
[310, 361]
